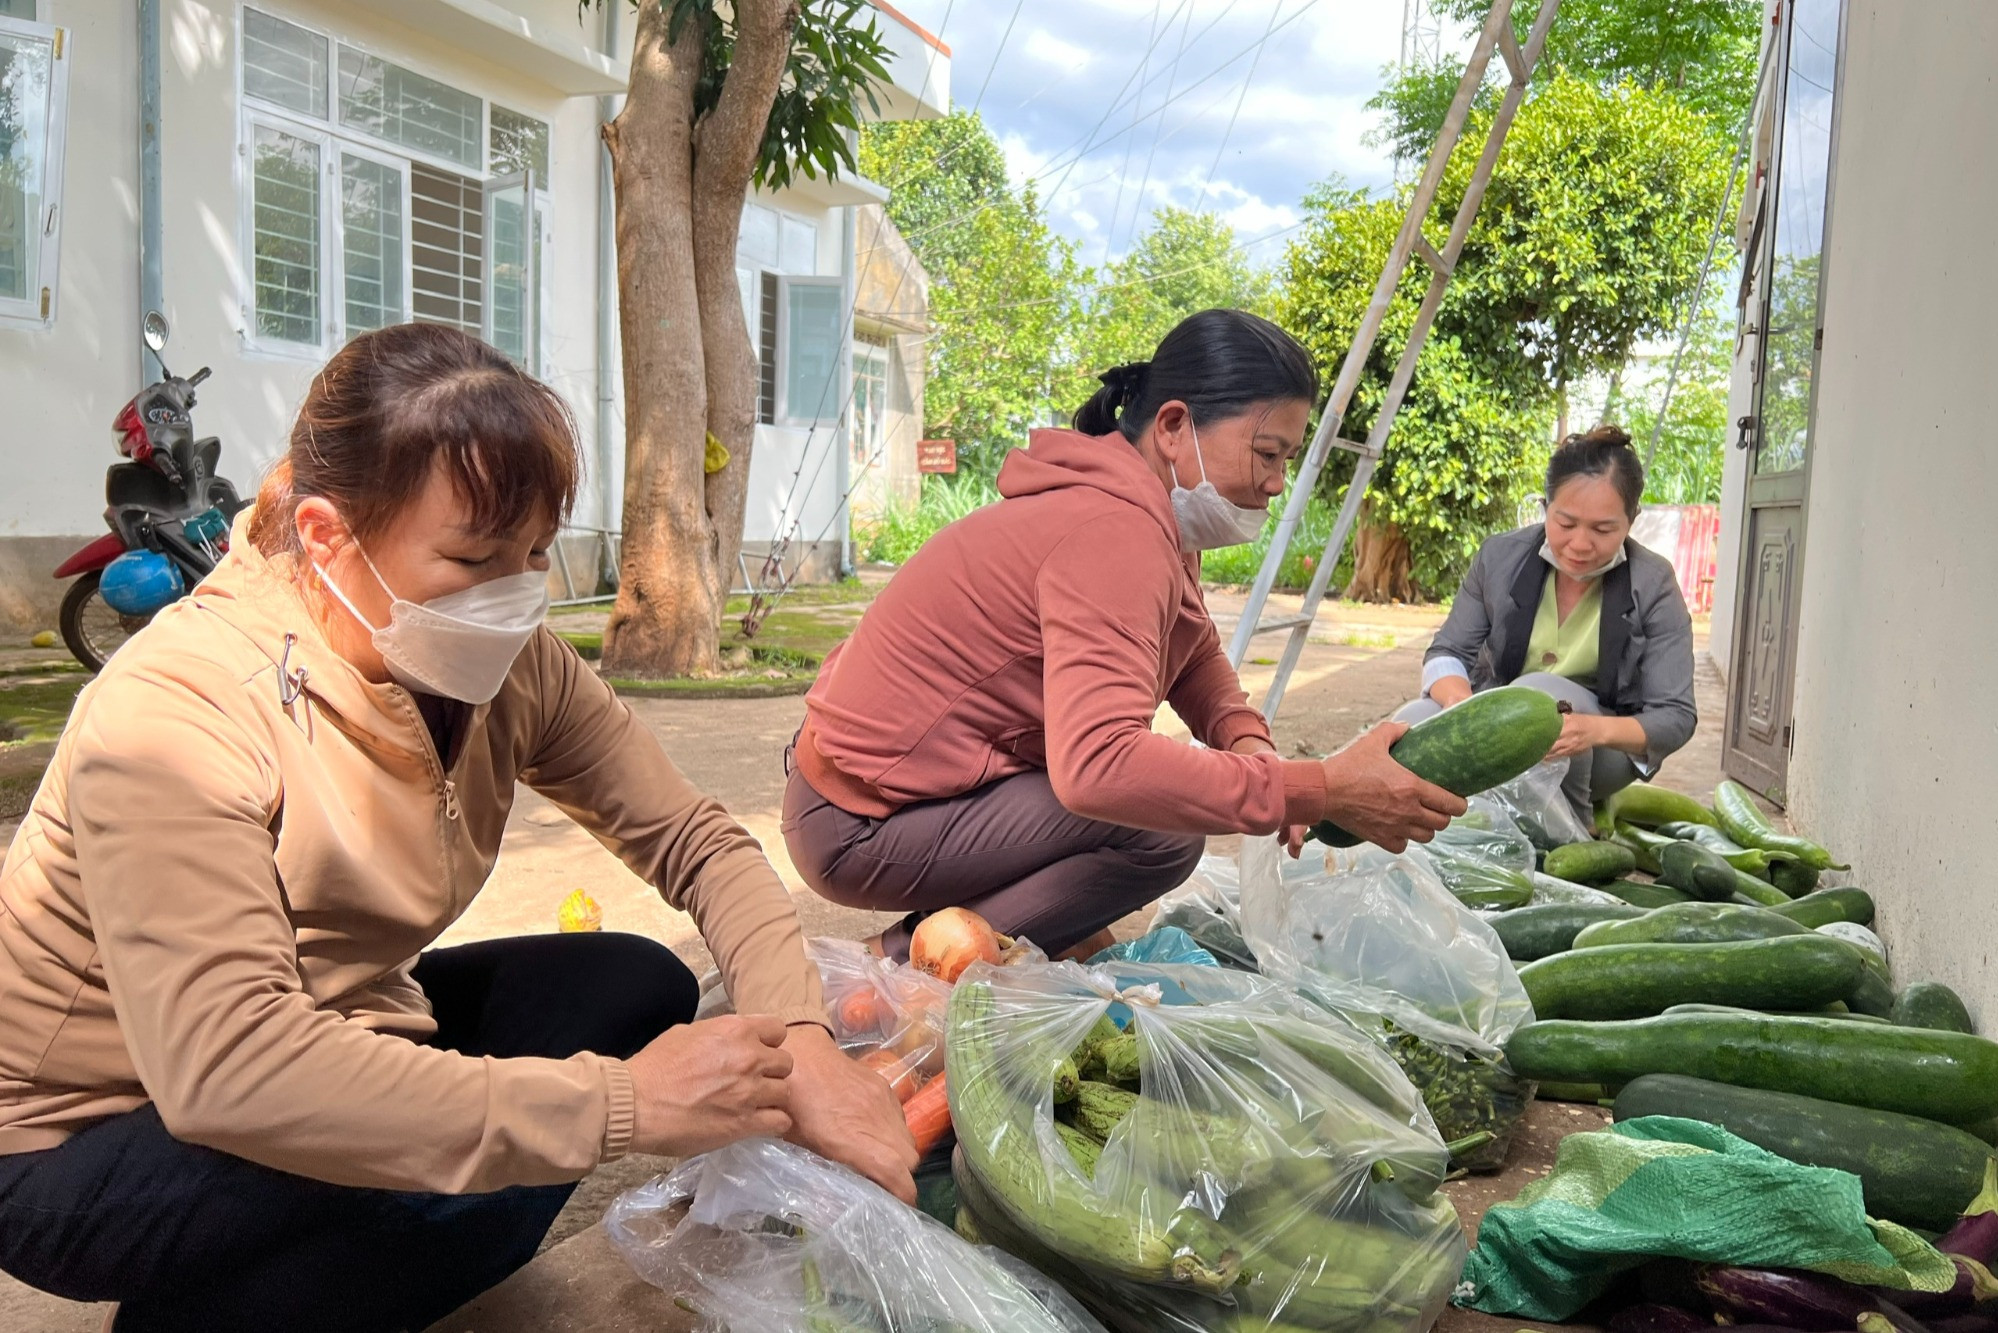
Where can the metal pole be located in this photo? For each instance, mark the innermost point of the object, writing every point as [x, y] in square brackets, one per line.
[608, 501]
[152, 225]
[843, 469]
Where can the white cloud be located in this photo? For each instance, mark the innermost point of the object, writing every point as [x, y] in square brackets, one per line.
[1051, 50]
[1072, 67]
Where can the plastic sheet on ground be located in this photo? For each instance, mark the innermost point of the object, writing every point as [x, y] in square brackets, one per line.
[1244, 1162]
[765, 1237]
[1537, 804]
[1383, 942]
[1160, 944]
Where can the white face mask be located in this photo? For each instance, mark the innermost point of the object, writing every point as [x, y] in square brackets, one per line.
[1547, 554]
[460, 645]
[1208, 519]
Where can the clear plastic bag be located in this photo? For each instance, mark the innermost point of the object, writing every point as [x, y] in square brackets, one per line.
[1482, 857]
[1384, 943]
[1242, 1161]
[1209, 905]
[885, 1014]
[766, 1237]
[1542, 810]
[1548, 890]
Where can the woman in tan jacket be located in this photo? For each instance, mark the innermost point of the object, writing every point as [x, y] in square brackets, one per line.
[237, 1088]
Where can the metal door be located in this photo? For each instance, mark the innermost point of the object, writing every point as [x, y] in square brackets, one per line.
[1786, 335]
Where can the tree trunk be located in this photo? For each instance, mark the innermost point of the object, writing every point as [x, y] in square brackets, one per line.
[688, 366]
[1381, 562]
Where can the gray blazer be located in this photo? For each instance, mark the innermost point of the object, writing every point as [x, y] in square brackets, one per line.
[1645, 666]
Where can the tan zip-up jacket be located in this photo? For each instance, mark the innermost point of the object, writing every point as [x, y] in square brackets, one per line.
[239, 850]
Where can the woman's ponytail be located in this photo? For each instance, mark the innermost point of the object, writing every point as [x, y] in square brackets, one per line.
[1121, 386]
[1217, 362]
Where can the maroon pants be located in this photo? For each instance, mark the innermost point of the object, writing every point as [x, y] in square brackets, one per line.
[1009, 851]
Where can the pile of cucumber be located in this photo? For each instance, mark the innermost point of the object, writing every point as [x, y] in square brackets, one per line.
[1156, 1215]
[1752, 999]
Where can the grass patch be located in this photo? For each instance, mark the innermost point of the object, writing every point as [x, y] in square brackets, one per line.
[1360, 638]
[36, 707]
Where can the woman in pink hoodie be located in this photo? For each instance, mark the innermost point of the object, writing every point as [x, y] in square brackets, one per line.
[985, 737]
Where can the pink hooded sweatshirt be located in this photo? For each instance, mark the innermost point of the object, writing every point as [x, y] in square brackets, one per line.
[1044, 632]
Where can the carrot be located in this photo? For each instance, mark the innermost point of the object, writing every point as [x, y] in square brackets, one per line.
[890, 1066]
[928, 1115]
[859, 1012]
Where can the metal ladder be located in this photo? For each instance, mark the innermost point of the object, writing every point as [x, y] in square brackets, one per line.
[1497, 37]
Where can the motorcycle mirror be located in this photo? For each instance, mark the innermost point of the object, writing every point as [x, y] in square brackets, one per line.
[156, 330]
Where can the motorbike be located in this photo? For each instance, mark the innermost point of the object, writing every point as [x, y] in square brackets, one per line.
[168, 511]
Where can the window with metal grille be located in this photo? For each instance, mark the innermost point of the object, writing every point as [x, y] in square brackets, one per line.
[284, 64]
[34, 101]
[447, 249]
[766, 351]
[285, 241]
[518, 143]
[371, 242]
[409, 109]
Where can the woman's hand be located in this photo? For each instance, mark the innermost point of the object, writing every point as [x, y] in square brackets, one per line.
[701, 1086]
[844, 1111]
[1579, 732]
[1449, 691]
[1371, 796]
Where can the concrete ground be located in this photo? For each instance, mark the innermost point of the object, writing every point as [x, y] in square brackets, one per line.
[1360, 664]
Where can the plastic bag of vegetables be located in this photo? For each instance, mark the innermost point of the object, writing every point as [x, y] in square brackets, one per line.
[1482, 857]
[1384, 943]
[1537, 804]
[1240, 1160]
[885, 1014]
[1209, 907]
[765, 1237]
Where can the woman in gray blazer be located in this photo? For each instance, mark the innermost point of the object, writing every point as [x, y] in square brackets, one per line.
[1576, 608]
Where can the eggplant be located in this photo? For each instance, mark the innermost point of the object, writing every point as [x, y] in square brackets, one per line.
[1811, 1302]
[1654, 1318]
[1963, 1323]
[1974, 1286]
[1975, 1235]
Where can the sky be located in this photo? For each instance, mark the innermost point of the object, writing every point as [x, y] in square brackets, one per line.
[1115, 108]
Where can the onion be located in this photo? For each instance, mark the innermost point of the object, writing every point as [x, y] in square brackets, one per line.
[947, 942]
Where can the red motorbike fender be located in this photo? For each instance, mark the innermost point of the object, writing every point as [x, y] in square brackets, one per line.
[94, 556]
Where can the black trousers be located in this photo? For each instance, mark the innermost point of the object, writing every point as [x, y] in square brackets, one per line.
[186, 1237]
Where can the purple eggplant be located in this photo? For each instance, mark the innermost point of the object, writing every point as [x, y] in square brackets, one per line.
[1975, 1235]
[1653, 1318]
[1963, 1323]
[1974, 1285]
[1811, 1302]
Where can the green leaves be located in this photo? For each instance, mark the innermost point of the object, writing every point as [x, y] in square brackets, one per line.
[1590, 236]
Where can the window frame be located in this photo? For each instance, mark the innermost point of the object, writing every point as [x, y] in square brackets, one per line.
[834, 410]
[38, 311]
[335, 138]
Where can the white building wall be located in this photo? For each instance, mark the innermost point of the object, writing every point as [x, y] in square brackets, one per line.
[1897, 733]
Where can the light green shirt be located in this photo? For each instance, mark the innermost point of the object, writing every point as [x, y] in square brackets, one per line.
[1567, 648]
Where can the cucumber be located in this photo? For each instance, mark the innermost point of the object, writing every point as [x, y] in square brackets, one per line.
[1691, 923]
[1592, 1093]
[1913, 1171]
[1507, 889]
[1590, 862]
[1946, 1076]
[1825, 906]
[1642, 803]
[1838, 1011]
[1638, 980]
[1793, 877]
[1647, 896]
[1754, 860]
[1871, 994]
[1539, 932]
[1643, 844]
[1747, 887]
[1930, 1004]
[1694, 869]
[1742, 819]
[1473, 746]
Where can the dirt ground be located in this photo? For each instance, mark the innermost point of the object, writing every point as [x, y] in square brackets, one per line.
[1359, 665]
